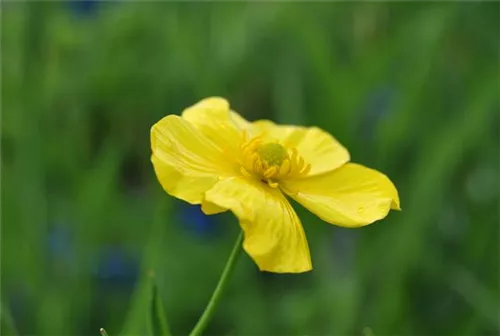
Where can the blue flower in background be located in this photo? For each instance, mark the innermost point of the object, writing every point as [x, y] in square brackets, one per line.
[84, 8]
[116, 267]
[195, 220]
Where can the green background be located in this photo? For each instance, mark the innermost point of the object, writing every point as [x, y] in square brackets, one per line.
[411, 89]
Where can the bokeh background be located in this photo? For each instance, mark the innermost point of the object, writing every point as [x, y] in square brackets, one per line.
[90, 240]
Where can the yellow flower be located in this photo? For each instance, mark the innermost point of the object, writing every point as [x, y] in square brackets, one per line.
[213, 157]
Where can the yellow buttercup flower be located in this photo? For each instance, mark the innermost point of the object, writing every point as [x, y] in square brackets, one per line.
[212, 156]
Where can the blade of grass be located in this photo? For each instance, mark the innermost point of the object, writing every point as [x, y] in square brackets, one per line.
[159, 309]
[139, 318]
[8, 326]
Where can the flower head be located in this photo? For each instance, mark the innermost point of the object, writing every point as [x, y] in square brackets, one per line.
[212, 156]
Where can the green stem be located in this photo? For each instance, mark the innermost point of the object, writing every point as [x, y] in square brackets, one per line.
[210, 309]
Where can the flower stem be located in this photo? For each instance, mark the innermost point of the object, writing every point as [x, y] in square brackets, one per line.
[210, 309]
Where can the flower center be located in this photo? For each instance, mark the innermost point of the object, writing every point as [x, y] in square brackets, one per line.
[271, 162]
[273, 154]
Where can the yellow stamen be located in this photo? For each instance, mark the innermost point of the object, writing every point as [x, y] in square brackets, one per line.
[271, 162]
[272, 184]
[270, 172]
[306, 170]
[244, 172]
[285, 167]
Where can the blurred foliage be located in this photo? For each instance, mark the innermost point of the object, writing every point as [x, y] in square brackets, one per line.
[411, 89]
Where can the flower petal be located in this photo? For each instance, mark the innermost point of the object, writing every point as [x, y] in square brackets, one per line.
[185, 162]
[318, 148]
[350, 196]
[209, 208]
[274, 236]
[216, 121]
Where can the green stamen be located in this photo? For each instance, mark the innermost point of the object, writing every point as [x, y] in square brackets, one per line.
[273, 154]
